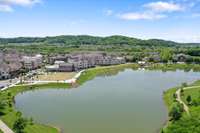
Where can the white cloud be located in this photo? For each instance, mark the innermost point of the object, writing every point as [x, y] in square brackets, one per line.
[20, 2]
[153, 11]
[5, 8]
[161, 6]
[141, 16]
[108, 12]
[7, 5]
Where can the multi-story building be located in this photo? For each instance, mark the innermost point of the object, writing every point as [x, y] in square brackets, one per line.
[77, 62]
[32, 62]
[4, 71]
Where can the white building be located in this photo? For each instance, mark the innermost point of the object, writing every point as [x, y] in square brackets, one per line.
[32, 62]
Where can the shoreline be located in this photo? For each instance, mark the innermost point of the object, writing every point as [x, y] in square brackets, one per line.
[83, 77]
[178, 99]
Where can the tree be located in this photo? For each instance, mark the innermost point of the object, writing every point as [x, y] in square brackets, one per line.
[166, 55]
[18, 114]
[175, 96]
[189, 99]
[20, 125]
[176, 112]
[184, 85]
[182, 91]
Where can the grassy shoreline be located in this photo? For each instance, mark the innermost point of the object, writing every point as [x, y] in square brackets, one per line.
[186, 123]
[10, 113]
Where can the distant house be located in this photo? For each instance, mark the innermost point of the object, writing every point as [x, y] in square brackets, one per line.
[58, 62]
[32, 62]
[51, 60]
[52, 68]
[10, 64]
[10, 58]
[1, 57]
[14, 68]
[76, 62]
[181, 58]
[66, 67]
[4, 71]
[152, 57]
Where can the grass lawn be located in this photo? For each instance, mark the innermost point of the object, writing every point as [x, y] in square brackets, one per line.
[1, 131]
[54, 76]
[194, 93]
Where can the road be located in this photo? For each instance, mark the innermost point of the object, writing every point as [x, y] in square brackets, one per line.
[5, 128]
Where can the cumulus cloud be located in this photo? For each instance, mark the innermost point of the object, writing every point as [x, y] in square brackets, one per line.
[141, 16]
[153, 11]
[7, 5]
[161, 6]
[5, 8]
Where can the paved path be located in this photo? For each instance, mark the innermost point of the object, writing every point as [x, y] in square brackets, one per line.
[5, 128]
[12, 85]
[178, 93]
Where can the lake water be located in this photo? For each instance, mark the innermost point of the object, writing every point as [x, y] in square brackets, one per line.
[129, 102]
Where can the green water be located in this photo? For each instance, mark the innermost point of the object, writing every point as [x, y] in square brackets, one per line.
[129, 102]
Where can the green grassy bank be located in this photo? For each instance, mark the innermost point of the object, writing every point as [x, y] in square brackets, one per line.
[104, 71]
[186, 123]
[174, 67]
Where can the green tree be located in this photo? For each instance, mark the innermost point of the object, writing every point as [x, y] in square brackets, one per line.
[176, 112]
[166, 55]
[184, 85]
[174, 96]
[182, 91]
[20, 125]
[189, 99]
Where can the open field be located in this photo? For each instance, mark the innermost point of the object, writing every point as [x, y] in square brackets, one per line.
[54, 76]
[194, 93]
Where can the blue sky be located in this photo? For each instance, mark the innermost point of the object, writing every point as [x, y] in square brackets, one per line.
[176, 20]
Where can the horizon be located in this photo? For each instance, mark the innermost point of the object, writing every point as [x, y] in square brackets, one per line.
[174, 20]
[97, 36]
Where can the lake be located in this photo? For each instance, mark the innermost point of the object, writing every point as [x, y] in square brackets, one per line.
[129, 102]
